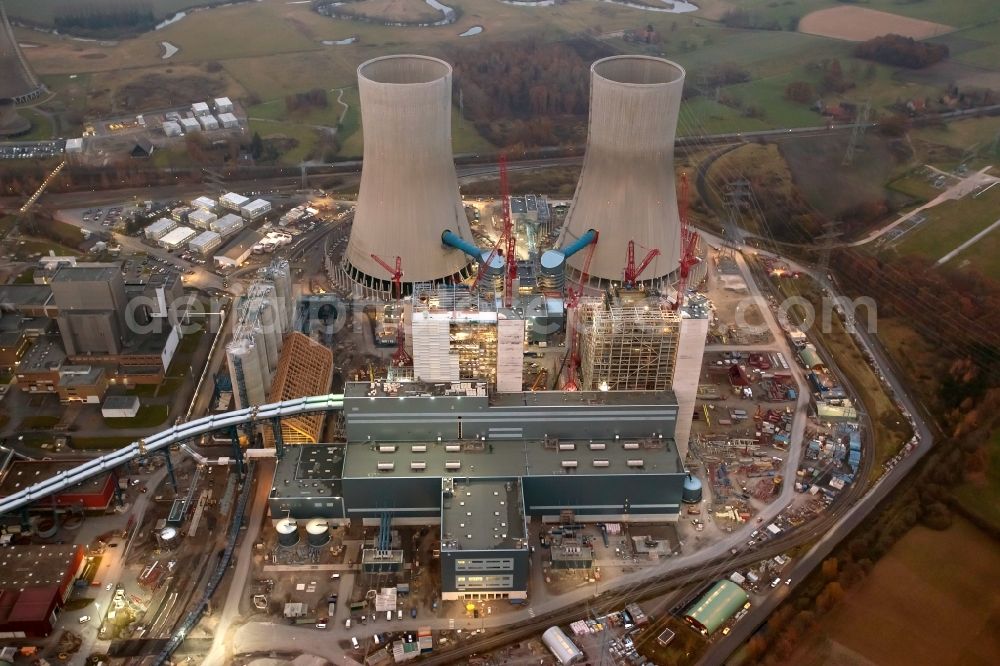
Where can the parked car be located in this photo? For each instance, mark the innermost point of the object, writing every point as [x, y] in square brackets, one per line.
[84, 619]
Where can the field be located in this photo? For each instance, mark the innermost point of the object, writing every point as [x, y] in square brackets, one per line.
[925, 602]
[950, 224]
[858, 24]
[44, 12]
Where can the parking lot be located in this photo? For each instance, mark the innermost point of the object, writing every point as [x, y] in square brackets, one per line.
[26, 150]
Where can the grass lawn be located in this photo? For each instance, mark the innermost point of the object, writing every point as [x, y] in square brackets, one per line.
[142, 390]
[99, 442]
[38, 422]
[147, 417]
[982, 495]
[963, 134]
[926, 602]
[26, 249]
[305, 138]
[27, 277]
[41, 126]
[914, 185]
[464, 139]
[951, 224]
[982, 256]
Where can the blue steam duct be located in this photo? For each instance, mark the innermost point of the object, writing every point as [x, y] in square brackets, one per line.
[452, 239]
[583, 241]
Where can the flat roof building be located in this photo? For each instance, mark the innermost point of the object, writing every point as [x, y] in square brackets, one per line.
[160, 228]
[94, 494]
[227, 225]
[92, 308]
[177, 238]
[204, 203]
[233, 201]
[255, 209]
[223, 105]
[238, 250]
[35, 582]
[201, 218]
[205, 242]
[200, 109]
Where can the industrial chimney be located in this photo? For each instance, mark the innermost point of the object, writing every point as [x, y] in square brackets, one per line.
[409, 191]
[626, 190]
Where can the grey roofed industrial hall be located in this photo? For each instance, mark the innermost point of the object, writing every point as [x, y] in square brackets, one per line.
[408, 193]
[626, 188]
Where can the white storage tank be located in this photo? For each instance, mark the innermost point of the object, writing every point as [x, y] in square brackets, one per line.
[288, 532]
[317, 532]
[168, 538]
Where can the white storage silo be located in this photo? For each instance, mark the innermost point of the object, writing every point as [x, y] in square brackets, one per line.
[288, 532]
[317, 532]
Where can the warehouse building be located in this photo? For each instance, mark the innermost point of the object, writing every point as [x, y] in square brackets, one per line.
[35, 582]
[720, 603]
[94, 494]
[234, 254]
[177, 238]
[160, 228]
[205, 242]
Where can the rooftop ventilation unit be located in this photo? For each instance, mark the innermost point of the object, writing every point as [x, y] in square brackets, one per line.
[418, 448]
[635, 462]
[601, 463]
[452, 448]
[386, 448]
[598, 446]
[631, 446]
[569, 464]
[567, 446]
[453, 464]
[386, 466]
[418, 465]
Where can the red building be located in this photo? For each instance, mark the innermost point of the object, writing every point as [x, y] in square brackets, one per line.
[93, 494]
[35, 582]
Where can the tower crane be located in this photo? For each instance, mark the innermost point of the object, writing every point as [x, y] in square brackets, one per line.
[506, 244]
[572, 300]
[689, 243]
[400, 358]
[632, 272]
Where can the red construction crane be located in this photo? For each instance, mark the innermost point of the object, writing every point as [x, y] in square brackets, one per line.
[510, 242]
[689, 243]
[632, 272]
[572, 300]
[400, 357]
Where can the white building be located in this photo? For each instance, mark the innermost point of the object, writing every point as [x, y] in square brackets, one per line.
[201, 218]
[160, 228]
[227, 225]
[74, 145]
[229, 121]
[233, 201]
[238, 252]
[224, 105]
[562, 648]
[255, 209]
[177, 238]
[208, 123]
[190, 125]
[204, 203]
[205, 242]
[171, 128]
[200, 109]
[120, 407]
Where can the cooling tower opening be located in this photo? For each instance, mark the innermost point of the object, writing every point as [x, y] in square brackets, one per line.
[404, 69]
[638, 70]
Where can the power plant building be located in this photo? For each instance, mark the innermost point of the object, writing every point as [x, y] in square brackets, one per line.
[304, 369]
[92, 308]
[408, 195]
[626, 188]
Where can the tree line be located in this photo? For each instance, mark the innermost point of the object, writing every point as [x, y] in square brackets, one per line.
[900, 51]
[98, 17]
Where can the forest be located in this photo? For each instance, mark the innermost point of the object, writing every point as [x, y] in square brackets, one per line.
[900, 51]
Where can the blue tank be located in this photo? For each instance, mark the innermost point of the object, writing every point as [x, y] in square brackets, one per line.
[692, 490]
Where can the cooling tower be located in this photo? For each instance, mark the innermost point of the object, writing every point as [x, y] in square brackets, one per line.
[408, 195]
[626, 189]
[18, 84]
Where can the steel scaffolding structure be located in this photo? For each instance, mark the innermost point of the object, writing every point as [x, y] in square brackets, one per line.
[628, 347]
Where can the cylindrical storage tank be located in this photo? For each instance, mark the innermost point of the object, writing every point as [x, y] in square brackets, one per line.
[288, 532]
[553, 273]
[168, 538]
[692, 490]
[408, 194]
[626, 188]
[317, 532]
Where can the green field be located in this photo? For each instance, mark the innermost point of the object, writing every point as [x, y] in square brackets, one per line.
[950, 224]
[982, 256]
[925, 602]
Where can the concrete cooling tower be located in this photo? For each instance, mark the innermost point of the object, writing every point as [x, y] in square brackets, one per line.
[626, 189]
[408, 195]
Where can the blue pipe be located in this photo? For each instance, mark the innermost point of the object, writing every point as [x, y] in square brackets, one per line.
[452, 239]
[583, 241]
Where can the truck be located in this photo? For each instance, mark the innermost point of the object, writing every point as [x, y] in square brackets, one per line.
[304, 620]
